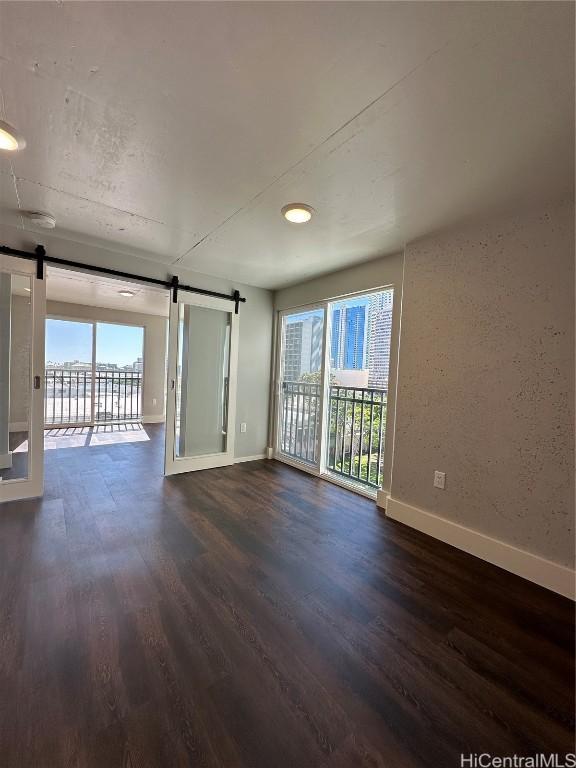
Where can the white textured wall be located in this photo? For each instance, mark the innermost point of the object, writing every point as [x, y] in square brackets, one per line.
[486, 380]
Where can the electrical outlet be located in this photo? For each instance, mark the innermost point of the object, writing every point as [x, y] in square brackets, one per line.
[243, 427]
[154, 401]
[439, 480]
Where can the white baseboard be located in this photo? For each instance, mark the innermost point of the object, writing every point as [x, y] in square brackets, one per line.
[152, 419]
[382, 498]
[18, 426]
[240, 459]
[546, 573]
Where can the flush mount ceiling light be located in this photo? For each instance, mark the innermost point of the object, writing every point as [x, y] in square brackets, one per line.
[297, 213]
[128, 294]
[41, 219]
[10, 139]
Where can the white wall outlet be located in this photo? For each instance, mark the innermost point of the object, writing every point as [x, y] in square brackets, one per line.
[154, 401]
[243, 427]
[439, 479]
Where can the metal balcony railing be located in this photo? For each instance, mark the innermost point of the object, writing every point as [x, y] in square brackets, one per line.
[356, 420]
[76, 397]
[299, 436]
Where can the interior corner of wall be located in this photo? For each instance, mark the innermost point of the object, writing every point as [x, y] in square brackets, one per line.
[382, 496]
[527, 565]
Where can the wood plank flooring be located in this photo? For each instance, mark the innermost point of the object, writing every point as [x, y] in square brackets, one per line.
[18, 444]
[256, 616]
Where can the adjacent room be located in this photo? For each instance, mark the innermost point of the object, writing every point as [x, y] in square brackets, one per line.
[287, 368]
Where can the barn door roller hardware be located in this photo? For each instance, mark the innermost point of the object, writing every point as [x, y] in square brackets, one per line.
[174, 285]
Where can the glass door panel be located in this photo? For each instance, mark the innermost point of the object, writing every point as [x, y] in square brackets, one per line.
[301, 384]
[118, 373]
[202, 365]
[68, 373]
[360, 336]
[22, 309]
[202, 381]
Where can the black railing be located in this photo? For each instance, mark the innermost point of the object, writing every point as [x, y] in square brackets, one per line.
[356, 425]
[118, 396]
[74, 397]
[300, 433]
[67, 396]
[356, 421]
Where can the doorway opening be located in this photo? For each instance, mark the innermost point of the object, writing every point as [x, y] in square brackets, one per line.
[105, 361]
[93, 376]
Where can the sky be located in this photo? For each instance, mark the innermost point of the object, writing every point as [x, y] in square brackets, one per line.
[359, 301]
[69, 341]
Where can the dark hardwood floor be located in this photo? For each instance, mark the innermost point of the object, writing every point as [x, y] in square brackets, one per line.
[256, 616]
[18, 444]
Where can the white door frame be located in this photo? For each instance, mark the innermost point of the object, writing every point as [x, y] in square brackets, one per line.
[33, 485]
[176, 464]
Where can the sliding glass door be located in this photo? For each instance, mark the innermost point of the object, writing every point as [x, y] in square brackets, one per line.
[93, 373]
[332, 388]
[301, 385]
[68, 399]
[357, 398]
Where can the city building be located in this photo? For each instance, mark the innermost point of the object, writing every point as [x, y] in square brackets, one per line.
[302, 344]
[348, 345]
[380, 312]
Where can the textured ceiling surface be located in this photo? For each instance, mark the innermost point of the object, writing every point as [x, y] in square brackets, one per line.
[98, 291]
[177, 131]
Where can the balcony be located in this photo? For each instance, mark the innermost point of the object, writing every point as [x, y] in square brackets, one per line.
[77, 397]
[300, 421]
[356, 420]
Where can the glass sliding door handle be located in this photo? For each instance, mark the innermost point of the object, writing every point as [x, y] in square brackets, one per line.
[36, 382]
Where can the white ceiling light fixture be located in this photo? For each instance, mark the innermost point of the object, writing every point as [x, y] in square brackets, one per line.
[297, 213]
[128, 294]
[10, 139]
[41, 219]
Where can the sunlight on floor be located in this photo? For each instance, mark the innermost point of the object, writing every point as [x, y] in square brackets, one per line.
[85, 437]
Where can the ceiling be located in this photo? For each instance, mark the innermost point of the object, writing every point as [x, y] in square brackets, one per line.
[177, 131]
[98, 291]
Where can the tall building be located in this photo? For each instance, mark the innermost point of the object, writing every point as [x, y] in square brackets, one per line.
[302, 347]
[379, 338]
[348, 345]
